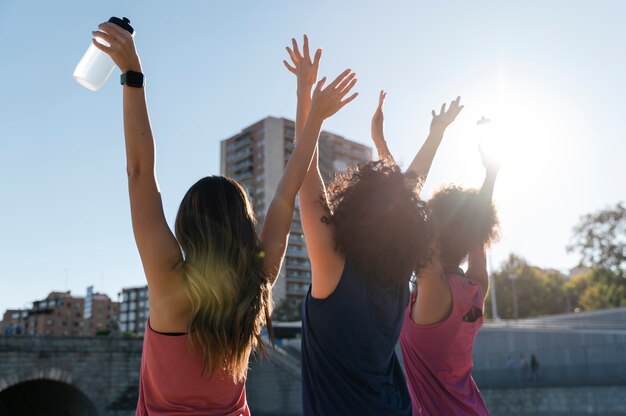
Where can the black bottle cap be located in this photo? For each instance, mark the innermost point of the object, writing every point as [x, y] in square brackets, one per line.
[123, 23]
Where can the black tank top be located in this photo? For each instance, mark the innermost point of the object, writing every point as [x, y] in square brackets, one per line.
[349, 364]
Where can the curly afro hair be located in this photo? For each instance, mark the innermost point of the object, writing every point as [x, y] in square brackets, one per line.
[461, 219]
[379, 223]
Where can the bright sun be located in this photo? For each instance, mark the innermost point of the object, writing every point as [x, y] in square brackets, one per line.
[524, 132]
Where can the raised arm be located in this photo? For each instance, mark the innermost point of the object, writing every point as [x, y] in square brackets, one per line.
[477, 259]
[324, 104]
[378, 132]
[326, 263]
[419, 168]
[275, 233]
[158, 248]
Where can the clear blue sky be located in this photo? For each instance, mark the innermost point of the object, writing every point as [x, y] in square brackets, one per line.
[555, 69]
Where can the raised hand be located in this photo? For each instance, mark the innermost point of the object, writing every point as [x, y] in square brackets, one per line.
[304, 68]
[327, 101]
[492, 166]
[378, 133]
[121, 46]
[442, 120]
[378, 120]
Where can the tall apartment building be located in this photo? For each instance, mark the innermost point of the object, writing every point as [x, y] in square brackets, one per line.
[60, 313]
[134, 309]
[256, 158]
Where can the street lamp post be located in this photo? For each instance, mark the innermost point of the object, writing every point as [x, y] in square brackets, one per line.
[513, 278]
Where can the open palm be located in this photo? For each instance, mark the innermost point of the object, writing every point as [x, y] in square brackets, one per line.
[445, 117]
[304, 68]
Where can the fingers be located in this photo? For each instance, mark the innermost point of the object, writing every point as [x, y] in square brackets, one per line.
[318, 56]
[350, 98]
[114, 30]
[292, 55]
[320, 84]
[434, 114]
[289, 67]
[381, 99]
[305, 47]
[339, 78]
[296, 50]
[103, 35]
[100, 46]
[347, 89]
[443, 108]
[345, 81]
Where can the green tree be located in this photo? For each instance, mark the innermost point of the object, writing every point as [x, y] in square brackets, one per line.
[606, 290]
[600, 239]
[538, 292]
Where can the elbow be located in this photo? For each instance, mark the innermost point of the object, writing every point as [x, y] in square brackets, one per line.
[136, 169]
[132, 171]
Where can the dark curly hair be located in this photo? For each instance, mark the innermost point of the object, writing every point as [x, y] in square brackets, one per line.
[379, 223]
[461, 219]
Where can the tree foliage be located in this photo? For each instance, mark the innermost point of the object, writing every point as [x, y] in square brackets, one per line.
[547, 292]
[600, 239]
[538, 292]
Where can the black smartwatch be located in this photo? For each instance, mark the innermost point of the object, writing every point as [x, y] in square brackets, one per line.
[132, 79]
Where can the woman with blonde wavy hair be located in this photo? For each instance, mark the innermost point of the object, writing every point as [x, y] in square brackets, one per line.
[210, 285]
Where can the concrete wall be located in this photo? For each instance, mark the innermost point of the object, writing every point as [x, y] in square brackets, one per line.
[571, 401]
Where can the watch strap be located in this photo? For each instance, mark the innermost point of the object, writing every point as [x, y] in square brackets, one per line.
[132, 79]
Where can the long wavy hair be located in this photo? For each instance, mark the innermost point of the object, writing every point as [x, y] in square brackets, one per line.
[461, 219]
[230, 296]
[379, 222]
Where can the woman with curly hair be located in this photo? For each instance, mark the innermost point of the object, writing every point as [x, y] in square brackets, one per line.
[445, 312]
[365, 236]
[210, 284]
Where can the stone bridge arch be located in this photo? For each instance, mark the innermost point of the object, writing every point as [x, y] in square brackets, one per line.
[98, 376]
[47, 391]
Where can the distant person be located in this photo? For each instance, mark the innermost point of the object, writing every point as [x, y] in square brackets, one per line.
[523, 367]
[511, 367]
[210, 285]
[534, 368]
[446, 308]
[365, 235]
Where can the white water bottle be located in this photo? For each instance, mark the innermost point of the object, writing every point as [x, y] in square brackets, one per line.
[95, 67]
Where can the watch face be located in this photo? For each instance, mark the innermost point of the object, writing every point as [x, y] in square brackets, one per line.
[134, 78]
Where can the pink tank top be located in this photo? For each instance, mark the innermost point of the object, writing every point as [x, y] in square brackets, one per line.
[438, 357]
[171, 381]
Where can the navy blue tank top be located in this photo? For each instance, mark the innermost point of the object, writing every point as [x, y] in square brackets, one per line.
[349, 364]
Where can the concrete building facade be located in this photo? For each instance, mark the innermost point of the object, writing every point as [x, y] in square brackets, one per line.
[134, 310]
[256, 158]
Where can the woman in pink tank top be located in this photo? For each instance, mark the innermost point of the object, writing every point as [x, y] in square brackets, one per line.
[210, 284]
[445, 312]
